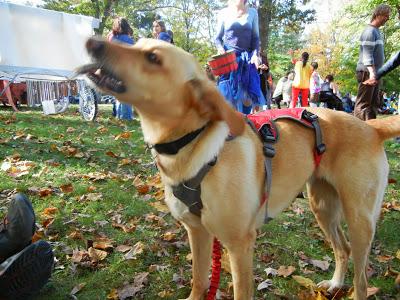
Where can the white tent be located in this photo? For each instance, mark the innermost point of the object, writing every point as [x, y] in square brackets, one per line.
[41, 41]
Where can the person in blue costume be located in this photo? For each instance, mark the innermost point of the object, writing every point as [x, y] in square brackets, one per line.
[238, 30]
[160, 32]
[122, 33]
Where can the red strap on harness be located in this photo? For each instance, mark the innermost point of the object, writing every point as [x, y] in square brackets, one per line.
[216, 270]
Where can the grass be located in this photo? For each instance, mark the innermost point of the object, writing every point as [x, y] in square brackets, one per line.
[92, 180]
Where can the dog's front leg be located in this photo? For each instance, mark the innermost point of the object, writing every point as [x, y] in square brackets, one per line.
[200, 244]
[241, 252]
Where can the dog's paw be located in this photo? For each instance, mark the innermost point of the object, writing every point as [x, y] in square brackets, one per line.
[330, 285]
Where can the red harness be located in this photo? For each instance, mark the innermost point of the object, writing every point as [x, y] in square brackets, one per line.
[300, 115]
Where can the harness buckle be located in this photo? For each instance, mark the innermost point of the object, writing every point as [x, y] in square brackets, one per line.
[309, 116]
[267, 134]
[268, 150]
[321, 148]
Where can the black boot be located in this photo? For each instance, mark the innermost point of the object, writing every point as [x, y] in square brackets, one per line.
[28, 273]
[18, 227]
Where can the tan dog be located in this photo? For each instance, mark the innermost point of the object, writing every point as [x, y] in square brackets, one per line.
[173, 97]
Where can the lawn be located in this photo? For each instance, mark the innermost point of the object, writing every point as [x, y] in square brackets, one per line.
[98, 201]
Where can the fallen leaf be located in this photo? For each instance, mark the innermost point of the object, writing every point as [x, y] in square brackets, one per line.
[67, 188]
[306, 282]
[113, 295]
[130, 290]
[271, 271]
[164, 294]
[75, 235]
[123, 248]
[103, 243]
[266, 284]
[137, 249]
[321, 264]
[169, 236]
[124, 135]
[160, 206]
[97, 255]
[384, 258]
[77, 288]
[45, 192]
[50, 211]
[111, 154]
[286, 271]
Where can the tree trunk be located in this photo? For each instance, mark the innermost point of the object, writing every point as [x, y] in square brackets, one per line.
[108, 5]
[265, 14]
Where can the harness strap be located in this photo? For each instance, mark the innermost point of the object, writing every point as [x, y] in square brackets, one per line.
[268, 139]
[320, 147]
[189, 192]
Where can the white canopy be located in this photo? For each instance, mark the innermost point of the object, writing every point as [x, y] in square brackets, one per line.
[41, 41]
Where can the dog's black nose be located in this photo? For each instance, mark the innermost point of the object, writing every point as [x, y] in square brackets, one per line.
[96, 47]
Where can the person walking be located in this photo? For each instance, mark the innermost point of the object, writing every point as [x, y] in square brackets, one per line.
[371, 58]
[315, 85]
[301, 82]
[238, 30]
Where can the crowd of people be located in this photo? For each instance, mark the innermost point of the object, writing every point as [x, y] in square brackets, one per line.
[249, 91]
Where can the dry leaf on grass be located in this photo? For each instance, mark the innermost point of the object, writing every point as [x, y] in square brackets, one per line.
[67, 188]
[271, 271]
[286, 271]
[103, 243]
[321, 264]
[123, 248]
[266, 284]
[96, 255]
[77, 288]
[384, 258]
[306, 282]
[124, 135]
[137, 249]
[131, 289]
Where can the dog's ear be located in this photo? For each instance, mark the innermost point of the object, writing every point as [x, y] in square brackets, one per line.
[211, 105]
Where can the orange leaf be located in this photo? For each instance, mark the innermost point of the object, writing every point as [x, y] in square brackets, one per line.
[67, 188]
[37, 236]
[47, 222]
[45, 192]
[143, 189]
[111, 154]
[286, 271]
[49, 211]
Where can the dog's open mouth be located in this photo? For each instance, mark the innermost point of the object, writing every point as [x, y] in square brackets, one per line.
[103, 77]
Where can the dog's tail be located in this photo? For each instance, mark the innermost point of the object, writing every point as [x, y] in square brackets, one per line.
[386, 127]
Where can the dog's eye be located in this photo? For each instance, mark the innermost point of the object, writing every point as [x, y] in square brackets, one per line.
[153, 58]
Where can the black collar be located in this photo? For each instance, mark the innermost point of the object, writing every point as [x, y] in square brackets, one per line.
[174, 147]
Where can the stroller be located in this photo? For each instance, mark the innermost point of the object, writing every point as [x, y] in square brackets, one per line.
[39, 51]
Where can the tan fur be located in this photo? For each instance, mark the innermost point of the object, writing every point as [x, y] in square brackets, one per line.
[175, 97]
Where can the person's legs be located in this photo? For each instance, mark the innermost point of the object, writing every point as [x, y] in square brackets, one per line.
[18, 227]
[295, 96]
[364, 108]
[28, 273]
[8, 94]
[304, 97]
